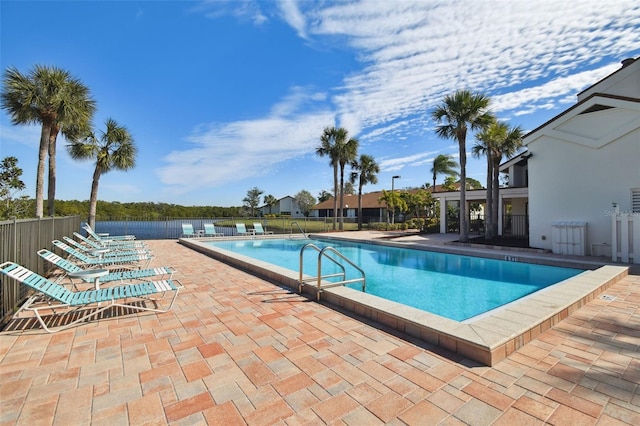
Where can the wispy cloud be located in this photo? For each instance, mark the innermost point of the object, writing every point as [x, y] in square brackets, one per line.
[293, 16]
[416, 52]
[244, 10]
[527, 56]
[395, 164]
[225, 152]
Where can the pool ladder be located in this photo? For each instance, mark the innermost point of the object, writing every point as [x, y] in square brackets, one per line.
[319, 279]
[304, 235]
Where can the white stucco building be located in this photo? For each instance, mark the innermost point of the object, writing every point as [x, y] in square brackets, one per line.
[585, 162]
[285, 206]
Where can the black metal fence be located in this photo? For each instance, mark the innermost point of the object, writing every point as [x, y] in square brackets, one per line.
[171, 228]
[20, 239]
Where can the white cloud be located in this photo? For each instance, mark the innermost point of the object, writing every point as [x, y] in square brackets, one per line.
[241, 9]
[527, 56]
[28, 135]
[292, 15]
[395, 164]
[226, 152]
[560, 90]
[416, 52]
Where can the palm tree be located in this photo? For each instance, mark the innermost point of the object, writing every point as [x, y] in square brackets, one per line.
[45, 96]
[270, 201]
[457, 114]
[443, 165]
[327, 148]
[496, 142]
[113, 149]
[507, 147]
[347, 153]
[365, 171]
[334, 144]
[485, 144]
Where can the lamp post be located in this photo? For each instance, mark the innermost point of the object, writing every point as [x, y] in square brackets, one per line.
[393, 207]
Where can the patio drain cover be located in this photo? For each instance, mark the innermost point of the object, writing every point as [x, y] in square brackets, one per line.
[607, 297]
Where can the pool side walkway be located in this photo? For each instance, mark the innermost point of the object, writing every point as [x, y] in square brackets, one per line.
[239, 350]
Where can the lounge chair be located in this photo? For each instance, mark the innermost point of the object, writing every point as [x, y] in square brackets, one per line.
[241, 229]
[259, 230]
[142, 260]
[210, 230]
[51, 296]
[71, 270]
[105, 251]
[106, 237]
[187, 230]
[132, 245]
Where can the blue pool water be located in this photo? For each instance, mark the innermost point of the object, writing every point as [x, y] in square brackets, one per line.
[452, 286]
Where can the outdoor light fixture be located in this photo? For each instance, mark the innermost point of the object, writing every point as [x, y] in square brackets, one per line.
[393, 209]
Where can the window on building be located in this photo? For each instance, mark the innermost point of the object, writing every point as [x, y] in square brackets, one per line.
[635, 200]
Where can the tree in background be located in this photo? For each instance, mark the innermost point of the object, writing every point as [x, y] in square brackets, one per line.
[323, 196]
[349, 189]
[419, 202]
[365, 171]
[252, 200]
[449, 184]
[474, 184]
[393, 202]
[497, 141]
[335, 144]
[458, 113]
[270, 201]
[305, 202]
[114, 148]
[51, 97]
[443, 165]
[10, 185]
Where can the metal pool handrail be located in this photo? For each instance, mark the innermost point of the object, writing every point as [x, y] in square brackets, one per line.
[301, 231]
[319, 278]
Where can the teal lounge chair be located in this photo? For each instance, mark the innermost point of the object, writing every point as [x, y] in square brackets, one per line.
[187, 230]
[51, 297]
[131, 245]
[259, 230]
[210, 230]
[70, 269]
[241, 230]
[106, 237]
[104, 251]
[141, 261]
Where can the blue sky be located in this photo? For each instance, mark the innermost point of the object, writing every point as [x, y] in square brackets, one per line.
[224, 96]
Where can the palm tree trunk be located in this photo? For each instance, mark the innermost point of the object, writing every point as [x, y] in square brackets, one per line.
[488, 216]
[341, 198]
[93, 200]
[360, 207]
[335, 195]
[496, 196]
[51, 190]
[464, 224]
[42, 158]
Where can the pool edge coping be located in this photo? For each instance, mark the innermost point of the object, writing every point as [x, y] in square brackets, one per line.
[479, 338]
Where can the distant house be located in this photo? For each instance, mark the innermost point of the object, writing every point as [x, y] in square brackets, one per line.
[372, 209]
[584, 164]
[286, 206]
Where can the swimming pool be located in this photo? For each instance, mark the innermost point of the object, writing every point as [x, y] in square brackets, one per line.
[453, 286]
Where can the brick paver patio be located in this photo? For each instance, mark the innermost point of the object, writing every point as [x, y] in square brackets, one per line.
[239, 350]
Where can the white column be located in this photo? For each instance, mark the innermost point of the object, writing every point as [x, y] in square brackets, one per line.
[443, 215]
